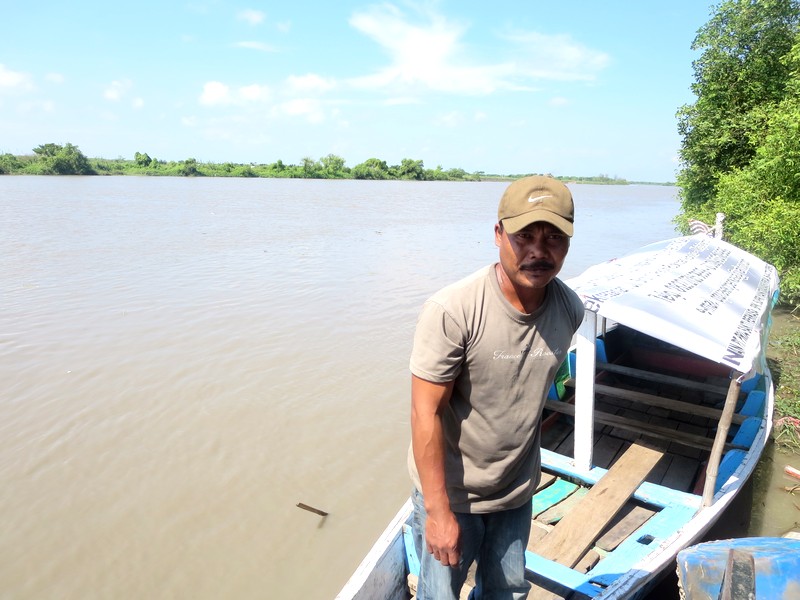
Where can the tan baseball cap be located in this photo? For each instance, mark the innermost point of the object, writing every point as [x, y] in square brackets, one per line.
[533, 199]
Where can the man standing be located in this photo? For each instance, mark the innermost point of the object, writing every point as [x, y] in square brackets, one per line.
[486, 350]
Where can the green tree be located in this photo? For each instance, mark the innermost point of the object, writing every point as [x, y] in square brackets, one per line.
[738, 73]
[741, 147]
[142, 159]
[410, 169]
[9, 164]
[45, 150]
[332, 166]
[761, 201]
[310, 168]
[62, 160]
[189, 168]
[372, 168]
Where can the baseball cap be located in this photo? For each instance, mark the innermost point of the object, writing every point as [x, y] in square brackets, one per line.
[536, 198]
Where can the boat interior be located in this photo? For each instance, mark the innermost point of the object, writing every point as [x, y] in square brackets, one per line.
[649, 396]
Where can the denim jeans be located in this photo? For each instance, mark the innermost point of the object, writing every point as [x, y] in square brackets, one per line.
[497, 541]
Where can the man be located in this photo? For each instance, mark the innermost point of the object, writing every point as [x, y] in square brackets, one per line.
[486, 350]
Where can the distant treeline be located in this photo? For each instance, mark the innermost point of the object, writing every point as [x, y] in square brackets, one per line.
[55, 159]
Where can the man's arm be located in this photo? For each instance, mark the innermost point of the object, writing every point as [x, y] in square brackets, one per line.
[442, 533]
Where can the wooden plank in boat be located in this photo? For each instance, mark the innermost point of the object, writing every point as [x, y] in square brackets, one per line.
[552, 494]
[576, 532]
[545, 480]
[629, 519]
[605, 450]
[681, 473]
[556, 434]
[644, 428]
[657, 474]
[694, 453]
[669, 403]
[538, 531]
[556, 512]
[589, 560]
[658, 411]
[660, 378]
[567, 445]
[654, 442]
[544, 589]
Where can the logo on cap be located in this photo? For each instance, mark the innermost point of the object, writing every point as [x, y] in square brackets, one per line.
[538, 199]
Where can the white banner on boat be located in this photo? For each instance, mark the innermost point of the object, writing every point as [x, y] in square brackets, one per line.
[696, 292]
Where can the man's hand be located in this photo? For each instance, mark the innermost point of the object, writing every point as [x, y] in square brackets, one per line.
[442, 535]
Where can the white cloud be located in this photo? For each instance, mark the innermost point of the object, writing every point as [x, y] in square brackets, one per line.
[117, 89]
[253, 17]
[309, 83]
[427, 55]
[401, 100]
[431, 54]
[37, 106]
[15, 80]
[254, 93]
[558, 57]
[137, 103]
[309, 108]
[558, 101]
[260, 46]
[54, 78]
[452, 119]
[216, 93]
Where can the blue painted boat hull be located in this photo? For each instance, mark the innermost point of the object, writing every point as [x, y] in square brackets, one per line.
[776, 561]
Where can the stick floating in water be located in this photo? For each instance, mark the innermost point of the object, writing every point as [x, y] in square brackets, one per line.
[317, 511]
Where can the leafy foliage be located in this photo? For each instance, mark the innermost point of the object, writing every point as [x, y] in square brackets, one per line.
[62, 160]
[53, 159]
[739, 72]
[741, 139]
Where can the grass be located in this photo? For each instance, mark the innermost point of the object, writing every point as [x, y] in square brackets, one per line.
[784, 361]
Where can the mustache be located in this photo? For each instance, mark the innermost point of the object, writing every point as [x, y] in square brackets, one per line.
[537, 264]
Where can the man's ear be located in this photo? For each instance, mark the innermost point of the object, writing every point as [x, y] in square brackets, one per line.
[498, 233]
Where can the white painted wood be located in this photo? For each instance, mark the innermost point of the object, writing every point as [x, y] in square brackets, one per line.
[584, 391]
[382, 573]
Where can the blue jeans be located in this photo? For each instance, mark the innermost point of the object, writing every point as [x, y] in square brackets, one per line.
[497, 541]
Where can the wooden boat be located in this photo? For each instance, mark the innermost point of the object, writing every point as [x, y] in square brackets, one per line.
[760, 568]
[656, 421]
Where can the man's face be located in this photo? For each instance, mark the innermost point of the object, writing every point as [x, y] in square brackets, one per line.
[533, 256]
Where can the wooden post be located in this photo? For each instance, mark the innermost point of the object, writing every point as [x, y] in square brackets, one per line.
[739, 579]
[584, 391]
[719, 440]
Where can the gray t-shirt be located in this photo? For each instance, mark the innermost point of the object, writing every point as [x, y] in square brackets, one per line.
[503, 363]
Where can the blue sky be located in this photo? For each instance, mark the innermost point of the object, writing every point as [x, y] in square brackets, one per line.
[569, 88]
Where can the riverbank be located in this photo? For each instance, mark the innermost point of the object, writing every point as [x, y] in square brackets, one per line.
[783, 355]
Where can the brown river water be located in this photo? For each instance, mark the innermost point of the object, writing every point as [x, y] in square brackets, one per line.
[183, 361]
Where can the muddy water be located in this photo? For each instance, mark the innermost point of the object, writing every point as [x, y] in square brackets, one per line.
[184, 360]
